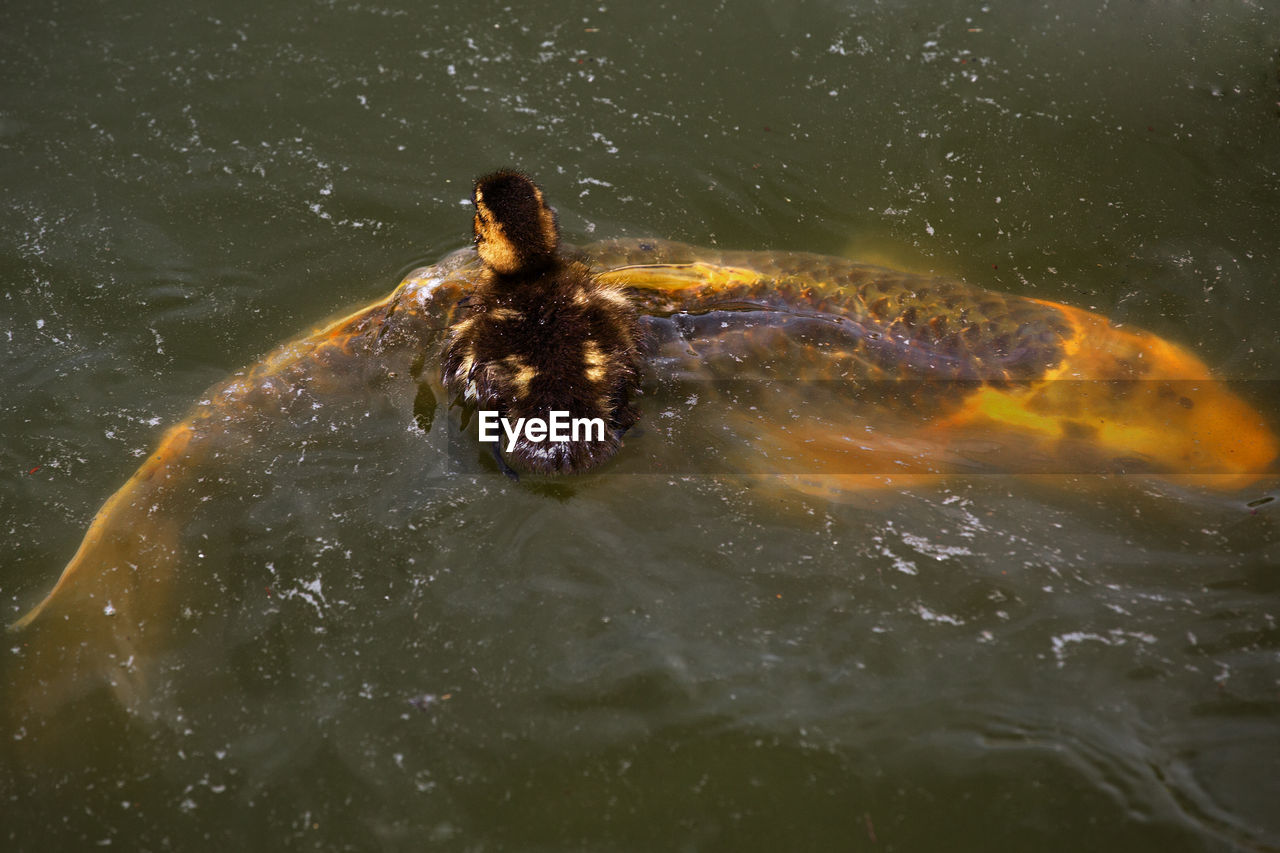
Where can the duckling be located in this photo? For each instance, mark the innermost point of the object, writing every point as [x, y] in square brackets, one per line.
[541, 334]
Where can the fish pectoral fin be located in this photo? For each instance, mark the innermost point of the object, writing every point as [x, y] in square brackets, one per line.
[506, 469]
[678, 277]
[822, 460]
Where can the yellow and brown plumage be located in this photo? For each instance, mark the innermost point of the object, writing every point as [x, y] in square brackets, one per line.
[541, 334]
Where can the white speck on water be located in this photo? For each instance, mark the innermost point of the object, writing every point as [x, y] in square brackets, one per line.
[1061, 642]
[608, 146]
[40, 324]
[1114, 637]
[929, 616]
[928, 229]
[110, 609]
[905, 566]
[1224, 673]
[310, 592]
[938, 552]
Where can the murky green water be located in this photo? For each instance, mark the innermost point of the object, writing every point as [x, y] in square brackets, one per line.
[638, 662]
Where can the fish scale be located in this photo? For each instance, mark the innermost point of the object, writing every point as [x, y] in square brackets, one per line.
[911, 325]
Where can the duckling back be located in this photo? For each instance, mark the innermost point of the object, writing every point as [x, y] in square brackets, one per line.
[542, 337]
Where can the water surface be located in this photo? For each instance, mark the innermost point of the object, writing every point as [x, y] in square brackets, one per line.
[377, 656]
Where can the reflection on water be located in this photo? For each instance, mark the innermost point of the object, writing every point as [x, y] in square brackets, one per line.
[936, 646]
[366, 653]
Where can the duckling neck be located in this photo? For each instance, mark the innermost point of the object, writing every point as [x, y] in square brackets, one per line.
[532, 270]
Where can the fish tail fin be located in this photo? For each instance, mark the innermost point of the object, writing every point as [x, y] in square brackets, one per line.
[130, 531]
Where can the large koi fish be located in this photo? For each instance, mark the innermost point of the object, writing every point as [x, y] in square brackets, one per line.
[809, 358]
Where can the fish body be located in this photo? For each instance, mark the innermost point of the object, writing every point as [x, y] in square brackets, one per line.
[857, 377]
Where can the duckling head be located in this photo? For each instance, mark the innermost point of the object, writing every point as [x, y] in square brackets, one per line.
[515, 230]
